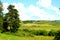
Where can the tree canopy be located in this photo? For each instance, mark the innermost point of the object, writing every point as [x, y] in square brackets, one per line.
[10, 21]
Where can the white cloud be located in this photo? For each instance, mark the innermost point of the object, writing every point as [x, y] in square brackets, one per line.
[5, 5]
[53, 8]
[48, 4]
[22, 11]
[20, 7]
[44, 3]
[34, 10]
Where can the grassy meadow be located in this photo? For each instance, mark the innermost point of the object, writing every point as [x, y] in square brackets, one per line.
[11, 37]
[27, 31]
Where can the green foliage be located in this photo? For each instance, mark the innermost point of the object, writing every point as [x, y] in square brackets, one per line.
[52, 33]
[57, 37]
[39, 32]
[26, 30]
[1, 9]
[14, 18]
[28, 21]
[9, 36]
[11, 19]
[1, 15]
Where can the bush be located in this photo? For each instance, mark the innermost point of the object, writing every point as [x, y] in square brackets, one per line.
[26, 30]
[23, 33]
[39, 32]
[57, 36]
[52, 33]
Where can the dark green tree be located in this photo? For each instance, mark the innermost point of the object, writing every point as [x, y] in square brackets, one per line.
[1, 15]
[5, 23]
[57, 37]
[12, 19]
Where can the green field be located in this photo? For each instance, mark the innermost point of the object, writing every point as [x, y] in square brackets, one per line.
[45, 26]
[11, 37]
[22, 34]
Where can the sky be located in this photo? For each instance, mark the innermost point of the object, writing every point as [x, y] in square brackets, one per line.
[35, 9]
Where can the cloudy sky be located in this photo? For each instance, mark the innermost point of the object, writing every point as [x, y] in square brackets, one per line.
[35, 9]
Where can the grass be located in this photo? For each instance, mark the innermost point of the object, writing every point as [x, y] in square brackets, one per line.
[12, 37]
[45, 26]
[43, 38]
[22, 35]
[8, 37]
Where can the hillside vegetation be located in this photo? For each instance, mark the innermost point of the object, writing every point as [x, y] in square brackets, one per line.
[39, 30]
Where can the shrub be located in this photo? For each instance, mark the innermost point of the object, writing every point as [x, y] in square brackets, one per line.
[57, 36]
[39, 32]
[26, 30]
[52, 33]
[23, 32]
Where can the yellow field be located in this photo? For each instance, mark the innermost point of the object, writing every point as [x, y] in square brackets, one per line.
[46, 26]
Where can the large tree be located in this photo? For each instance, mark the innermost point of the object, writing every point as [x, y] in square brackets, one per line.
[12, 19]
